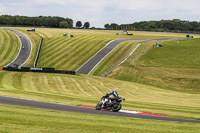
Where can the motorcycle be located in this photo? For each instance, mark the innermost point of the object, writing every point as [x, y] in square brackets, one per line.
[107, 103]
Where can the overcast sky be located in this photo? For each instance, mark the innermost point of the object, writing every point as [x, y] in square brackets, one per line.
[100, 12]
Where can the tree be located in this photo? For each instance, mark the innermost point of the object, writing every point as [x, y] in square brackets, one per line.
[70, 22]
[63, 24]
[78, 24]
[114, 26]
[107, 26]
[86, 25]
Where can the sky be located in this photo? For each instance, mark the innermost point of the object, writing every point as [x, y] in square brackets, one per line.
[101, 12]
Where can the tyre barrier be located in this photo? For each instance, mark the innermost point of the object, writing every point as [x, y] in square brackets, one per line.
[40, 70]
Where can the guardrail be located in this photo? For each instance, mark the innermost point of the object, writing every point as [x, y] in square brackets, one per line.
[38, 52]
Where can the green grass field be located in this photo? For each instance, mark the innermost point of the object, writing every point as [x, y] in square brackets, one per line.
[9, 47]
[70, 53]
[15, 119]
[174, 66]
[162, 80]
[87, 90]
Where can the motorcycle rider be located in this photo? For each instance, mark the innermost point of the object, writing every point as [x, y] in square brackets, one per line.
[115, 96]
[114, 93]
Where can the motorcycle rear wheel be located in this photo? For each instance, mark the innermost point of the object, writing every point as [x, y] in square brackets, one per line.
[116, 107]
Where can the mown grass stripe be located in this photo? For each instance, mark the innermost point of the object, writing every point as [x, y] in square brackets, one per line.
[50, 46]
[17, 81]
[84, 53]
[76, 56]
[9, 47]
[80, 88]
[59, 56]
[45, 57]
[58, 47]
[9, 51]
[2, 40]
[3, 46]
[94, 88]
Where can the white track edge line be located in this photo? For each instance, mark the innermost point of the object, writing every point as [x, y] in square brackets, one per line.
[130, 112]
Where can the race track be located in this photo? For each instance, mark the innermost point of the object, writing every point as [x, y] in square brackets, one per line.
[88, 66]
[60, 107]
[25, 50]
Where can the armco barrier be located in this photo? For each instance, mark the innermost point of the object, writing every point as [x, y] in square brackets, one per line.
[38, 52]
[40, 70]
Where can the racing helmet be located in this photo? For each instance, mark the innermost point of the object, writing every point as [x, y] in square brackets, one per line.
[115, 93]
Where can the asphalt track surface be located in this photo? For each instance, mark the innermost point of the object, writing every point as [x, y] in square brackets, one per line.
[60, 107]
[25, 50]
[88, 66]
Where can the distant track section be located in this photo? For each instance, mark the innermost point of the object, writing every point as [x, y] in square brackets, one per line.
[25, 50]
[99, 56]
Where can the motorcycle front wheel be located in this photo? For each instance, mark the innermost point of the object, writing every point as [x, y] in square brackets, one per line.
[98, 107]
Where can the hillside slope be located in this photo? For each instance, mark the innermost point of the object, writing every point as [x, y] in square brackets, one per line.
[87, 90]
[70, 53]
[9, 47]
[174, 66]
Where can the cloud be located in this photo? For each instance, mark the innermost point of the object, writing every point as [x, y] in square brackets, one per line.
[3, 9]
[44, 2]
[99, 12]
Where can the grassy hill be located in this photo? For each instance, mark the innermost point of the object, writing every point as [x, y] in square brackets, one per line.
[87, 90]
[70, 53]
[9, 47]
[174, 66]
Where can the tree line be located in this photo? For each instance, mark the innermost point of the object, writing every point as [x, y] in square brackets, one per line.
[46, 21]
[41, 21]
[175, 25]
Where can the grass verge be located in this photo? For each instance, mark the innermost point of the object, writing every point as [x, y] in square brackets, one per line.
[174, 66]
[15, 119]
